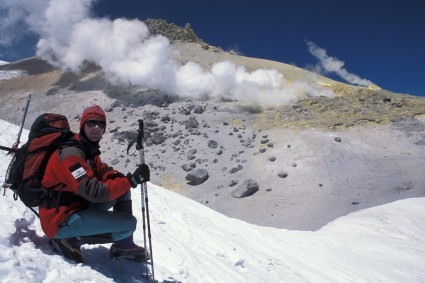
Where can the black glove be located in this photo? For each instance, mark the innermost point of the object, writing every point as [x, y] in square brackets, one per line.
[140, 175]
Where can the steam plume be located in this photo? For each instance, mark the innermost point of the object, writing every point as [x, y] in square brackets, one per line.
[128, 54]
[329, 64]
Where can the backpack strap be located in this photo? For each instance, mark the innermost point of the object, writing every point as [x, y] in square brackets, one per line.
[53, 197]
[66, 140]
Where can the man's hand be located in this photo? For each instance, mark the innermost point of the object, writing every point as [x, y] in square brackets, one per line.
[140, 175]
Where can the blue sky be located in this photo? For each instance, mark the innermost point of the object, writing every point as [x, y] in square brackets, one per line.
[381, 41]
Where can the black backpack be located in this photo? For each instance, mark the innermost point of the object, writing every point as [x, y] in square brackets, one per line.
[26, 170]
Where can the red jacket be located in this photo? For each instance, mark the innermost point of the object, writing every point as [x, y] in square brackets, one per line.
[94, 181]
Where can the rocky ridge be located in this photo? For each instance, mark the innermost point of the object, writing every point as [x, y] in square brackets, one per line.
[360, 107]
[174, 32]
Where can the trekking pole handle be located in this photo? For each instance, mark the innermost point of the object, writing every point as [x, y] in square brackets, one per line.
[139, 144]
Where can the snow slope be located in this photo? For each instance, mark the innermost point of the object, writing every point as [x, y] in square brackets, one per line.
[7, 75]
[192, 243]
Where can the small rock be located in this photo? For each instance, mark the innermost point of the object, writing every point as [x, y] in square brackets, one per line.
[114, 130]
[158, 138]
[212, 144]
[197, 177]
[235, 169]
[198, 109]
[165, 119]
[191, 123]
[247, 188]
[283, 174]
[189, 166]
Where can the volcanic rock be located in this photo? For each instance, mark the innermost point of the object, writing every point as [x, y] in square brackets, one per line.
[197, 177]
[247, 188]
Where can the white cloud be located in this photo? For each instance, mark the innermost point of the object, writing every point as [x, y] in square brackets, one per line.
[329, 64]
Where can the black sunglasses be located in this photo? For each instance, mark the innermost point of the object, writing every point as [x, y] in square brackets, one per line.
[92, 123]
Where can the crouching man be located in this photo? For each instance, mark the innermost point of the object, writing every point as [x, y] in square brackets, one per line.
[88, 188]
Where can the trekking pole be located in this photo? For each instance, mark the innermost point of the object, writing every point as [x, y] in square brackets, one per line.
[145, 200]
[24, 115]
[14, 148]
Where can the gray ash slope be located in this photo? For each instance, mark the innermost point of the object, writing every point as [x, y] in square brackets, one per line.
[300, 165]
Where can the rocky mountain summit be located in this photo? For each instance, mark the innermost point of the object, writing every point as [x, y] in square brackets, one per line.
[295, 166]
[174, 32]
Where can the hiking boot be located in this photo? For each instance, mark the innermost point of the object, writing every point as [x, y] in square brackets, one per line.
[67, 248]
[135, 253]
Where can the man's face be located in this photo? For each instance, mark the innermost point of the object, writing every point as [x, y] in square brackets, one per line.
[94, 129]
